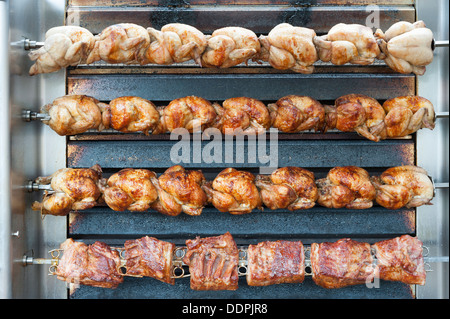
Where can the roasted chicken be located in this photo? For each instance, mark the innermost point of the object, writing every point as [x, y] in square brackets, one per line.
[213, 262]
[73, 189]
[342, 263]
[233, 191]
[275, 262]
[64, 46]
[358, 113]
[230, 46]
[348, 43]
[407, 114]
[95, 265]
[75, 114]
[175, 43]
[130, 189]
[348, 187]
[294, 113]
[403, 186]
[401, 259]
[120, 43]
[406, 47]
[289, 48]
[288, 187]
[150, 257]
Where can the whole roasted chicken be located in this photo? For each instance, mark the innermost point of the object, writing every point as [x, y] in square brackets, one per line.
[175, 43]
[348, 43]
[294, 113]
[358, 113]
[348, 187]
[64, 46]
[130, 189]
[74, 114]
[120, 43]
[407, 114]
[406, 47]
[289, 48]
[288, 187]
[233, 191]
[230, 46]
[403, 186]
[73, 189]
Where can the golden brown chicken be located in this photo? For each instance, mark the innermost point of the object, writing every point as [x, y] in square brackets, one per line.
[403, 186]
[73, 189]
[120, 43]
[243, 115]
[406, 47]
[175, 43]
[191, 112]
[179, 190]
[75, 114]
[348, 187]
[407, 114]
[348, 43]
[233, 191]
[64, 46]
[130, 189]
[130, 114]
[288, 187]
[289, 48]
[358, 113]
[294, 113]
[230, 46]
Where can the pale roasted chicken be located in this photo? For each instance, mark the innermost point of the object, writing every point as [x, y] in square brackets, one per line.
[406, 47]
[288, 187]
[72, 189]
[289, 48]
[348, 187]
[233, 191]
[403, 186]
[64, 46]
[230, 46]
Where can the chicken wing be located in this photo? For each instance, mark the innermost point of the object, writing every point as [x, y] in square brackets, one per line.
[288, 187]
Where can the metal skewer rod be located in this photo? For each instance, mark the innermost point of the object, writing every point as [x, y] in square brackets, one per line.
[440, 44]
[441, 115]
[28, 116]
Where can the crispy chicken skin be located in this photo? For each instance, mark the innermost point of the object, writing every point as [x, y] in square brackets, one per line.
[130, 189]
[213, 262]
[150, 257]
[74, 189]
[175, 43]
[180, 190]
[403, 186]
[95, 265]
[407, 114]
[230, 46]
[358, 113]
[348, 187]
[342, 263]
[401, 259]
[294, 113]
[406, 47]
[120, 43]
[288, 187]
[289, 48]
[348, 43]
[130, 114]
[64, 46]
[275, 262]
[75, 114]
[233, 191]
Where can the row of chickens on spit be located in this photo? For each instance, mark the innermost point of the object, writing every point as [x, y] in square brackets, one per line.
[405, 47]
[396, 117]
[180, 190]
[215, 263]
